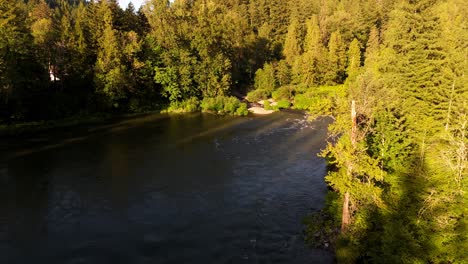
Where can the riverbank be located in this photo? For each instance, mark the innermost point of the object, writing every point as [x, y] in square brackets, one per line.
[260, 110]
[27, 128]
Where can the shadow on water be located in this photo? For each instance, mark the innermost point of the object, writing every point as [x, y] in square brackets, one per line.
[164, 189]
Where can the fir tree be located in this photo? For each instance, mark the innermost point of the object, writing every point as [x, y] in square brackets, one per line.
[292, 47]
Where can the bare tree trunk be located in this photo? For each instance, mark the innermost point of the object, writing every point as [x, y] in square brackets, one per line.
[346, 215]
[449, 112]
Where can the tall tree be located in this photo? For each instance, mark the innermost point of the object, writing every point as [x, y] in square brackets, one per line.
[292, 47]
[313, 59]
[20, 76]
[354, 60]
[110, 73]
[336, 59]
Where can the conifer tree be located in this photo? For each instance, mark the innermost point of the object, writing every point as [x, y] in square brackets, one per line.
[412, 43]
[292, 47]
[109, 71]
[20, 75]
[283, 73]
[265, 78]
[336, 59]
[314, 57]
[354, 60]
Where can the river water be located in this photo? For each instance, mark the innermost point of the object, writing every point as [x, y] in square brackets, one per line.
[193, 188]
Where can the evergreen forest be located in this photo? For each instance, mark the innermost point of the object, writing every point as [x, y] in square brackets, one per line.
[392, 74]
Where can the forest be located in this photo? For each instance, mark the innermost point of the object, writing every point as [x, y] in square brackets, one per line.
[391, 74]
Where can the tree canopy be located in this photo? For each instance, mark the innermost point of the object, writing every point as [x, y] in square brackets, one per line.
[392, 74]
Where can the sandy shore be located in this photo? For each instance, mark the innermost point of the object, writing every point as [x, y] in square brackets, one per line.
[260, 110]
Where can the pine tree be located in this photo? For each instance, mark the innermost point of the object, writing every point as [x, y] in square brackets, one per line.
[283, 73]
[109, 72]
[354, 61]
[416, 58]
[336, 59]
[292, 47]
[43, 32]
[265, 78]
[314, 57]
[20, 75]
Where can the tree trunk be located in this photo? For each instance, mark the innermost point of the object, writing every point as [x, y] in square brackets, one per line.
[450, 107]
[345, 214]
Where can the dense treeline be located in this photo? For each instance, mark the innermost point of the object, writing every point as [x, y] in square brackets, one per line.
[399, 166]
[400, 159]
[66, 57]
[63, 57]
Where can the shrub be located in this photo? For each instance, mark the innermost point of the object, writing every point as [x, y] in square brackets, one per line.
[267, 105]
[187, 106]
[284, 92]
[211, 104]
[224, 105]
[191, 105]
[242, 110]
[303, 101]
[283, 104]
[231, 104]
[319, 100]
[257, 95]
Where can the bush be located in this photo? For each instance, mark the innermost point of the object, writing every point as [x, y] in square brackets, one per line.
[231, 104]
[283, 104]
[224, 105]
[187, 106]
[242, 110]
[267, 105]
[319, 100]
[283, 93]
[257, 95]
[191, 105]
[304, 101]
[212, 104]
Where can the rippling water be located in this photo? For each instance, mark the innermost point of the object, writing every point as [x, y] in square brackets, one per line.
[164, 189]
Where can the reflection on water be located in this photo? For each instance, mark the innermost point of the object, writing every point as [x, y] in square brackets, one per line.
[164, 189]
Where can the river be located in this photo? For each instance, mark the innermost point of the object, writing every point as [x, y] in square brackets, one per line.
[194, 188]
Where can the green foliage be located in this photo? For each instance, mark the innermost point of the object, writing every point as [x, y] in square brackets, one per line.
[224, 105]
[187, 106]
[258, 95]
[283, 104]
[354, 60]
[267, 105]
[242, 110]
[321, 100]
[292, 47]
[231, 104]
[403, 63]
[399, 171]
[265, 78]
[283, 73]
[283, 93]
[336, 59]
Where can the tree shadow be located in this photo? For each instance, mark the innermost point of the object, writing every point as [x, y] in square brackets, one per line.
[409, 229]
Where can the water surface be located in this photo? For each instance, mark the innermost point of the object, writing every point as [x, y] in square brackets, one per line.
[164, 189]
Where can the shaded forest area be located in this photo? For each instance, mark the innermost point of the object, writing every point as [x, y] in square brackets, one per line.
[398, 159]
